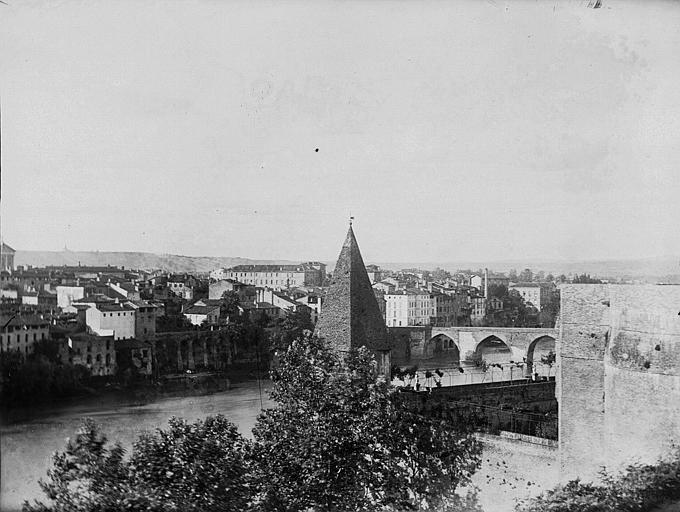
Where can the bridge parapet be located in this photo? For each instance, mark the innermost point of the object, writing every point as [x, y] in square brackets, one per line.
[519, 340]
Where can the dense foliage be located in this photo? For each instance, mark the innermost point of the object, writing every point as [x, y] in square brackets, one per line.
[38, 375]
[339, 440]
[188, 467]
[639, 488]
[291, 327]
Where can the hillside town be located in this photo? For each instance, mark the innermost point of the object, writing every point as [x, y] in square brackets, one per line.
[339, 256]
[111, 320]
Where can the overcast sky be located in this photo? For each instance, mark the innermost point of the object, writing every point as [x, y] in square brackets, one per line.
[450, 130]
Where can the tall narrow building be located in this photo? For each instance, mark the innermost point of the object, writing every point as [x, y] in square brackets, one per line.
[351, 316]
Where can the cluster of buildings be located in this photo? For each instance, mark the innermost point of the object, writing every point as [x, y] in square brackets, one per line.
[412, 297]
[91, 314]
[94, 313]
[277, 277]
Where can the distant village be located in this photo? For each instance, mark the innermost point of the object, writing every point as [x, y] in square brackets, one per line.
[150, 323]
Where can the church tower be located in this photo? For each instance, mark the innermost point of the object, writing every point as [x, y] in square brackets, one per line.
[350, 317]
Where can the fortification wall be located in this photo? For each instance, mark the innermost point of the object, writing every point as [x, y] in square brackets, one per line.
[619, 376]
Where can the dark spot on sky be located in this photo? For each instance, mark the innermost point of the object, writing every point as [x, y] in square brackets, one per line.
[316, 150]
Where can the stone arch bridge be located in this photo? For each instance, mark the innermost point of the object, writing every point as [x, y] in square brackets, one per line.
[451, 345]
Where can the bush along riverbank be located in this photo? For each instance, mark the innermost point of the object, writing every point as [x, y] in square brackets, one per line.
[639, 488]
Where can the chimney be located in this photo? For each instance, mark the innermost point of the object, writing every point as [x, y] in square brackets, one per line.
[486, 283]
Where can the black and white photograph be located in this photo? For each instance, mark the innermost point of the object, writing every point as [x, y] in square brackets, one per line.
[339, 255]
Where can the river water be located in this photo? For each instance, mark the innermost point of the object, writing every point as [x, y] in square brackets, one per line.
[27, 445]
[509, 470]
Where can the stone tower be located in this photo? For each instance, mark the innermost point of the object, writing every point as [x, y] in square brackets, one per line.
[351, 317]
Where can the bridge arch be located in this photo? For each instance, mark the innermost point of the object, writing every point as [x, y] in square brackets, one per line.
[537, 349]
[493, 349]
[442, 348]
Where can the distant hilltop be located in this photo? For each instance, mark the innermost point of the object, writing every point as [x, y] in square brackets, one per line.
[136, 260]
[652, 270]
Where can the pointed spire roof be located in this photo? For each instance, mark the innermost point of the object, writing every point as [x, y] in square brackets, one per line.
[350, 317]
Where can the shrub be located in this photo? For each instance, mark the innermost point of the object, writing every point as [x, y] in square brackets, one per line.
[640, 487]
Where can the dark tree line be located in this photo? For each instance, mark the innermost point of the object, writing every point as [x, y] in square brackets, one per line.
[39, 376]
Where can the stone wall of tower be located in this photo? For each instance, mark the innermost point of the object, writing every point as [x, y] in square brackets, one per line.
[334, 323]
[351, 316]
[619, 376]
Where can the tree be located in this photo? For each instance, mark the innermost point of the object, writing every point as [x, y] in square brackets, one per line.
[173, 323]
[526, 276]
[585, 279]
[540, 276]
[194, 467]
[38, 376]
[230, 303]
[512, 275]
[498, 290]
[440, 274]
[341, 440]
[292, 327]
[550, 278]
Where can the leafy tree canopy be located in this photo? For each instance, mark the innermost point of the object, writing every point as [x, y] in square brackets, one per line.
[340, 440]
[188, 467]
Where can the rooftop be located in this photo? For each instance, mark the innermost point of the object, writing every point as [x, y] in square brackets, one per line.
[7, 249]
[272, 268]
[200, 310]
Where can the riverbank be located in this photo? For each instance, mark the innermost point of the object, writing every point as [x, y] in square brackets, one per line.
[117, 396]
[511, 468]
[27, 444]
[111, 392]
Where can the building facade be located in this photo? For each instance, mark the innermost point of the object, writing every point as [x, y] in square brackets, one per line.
[199, 314]
[277, 277]
[477, 310]
[538, 294]
[22, 332]
[374, 273]
[7, 258]
[410, 307]
[145, 319]
[97, 353]
[108, 319]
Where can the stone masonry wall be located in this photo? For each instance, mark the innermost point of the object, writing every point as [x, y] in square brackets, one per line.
[619, 376]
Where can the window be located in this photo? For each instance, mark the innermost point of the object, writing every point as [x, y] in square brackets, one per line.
[108, 359]
[42, 336]
[89, 359]
[99, 358]
[35, 336]
[108, 344]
